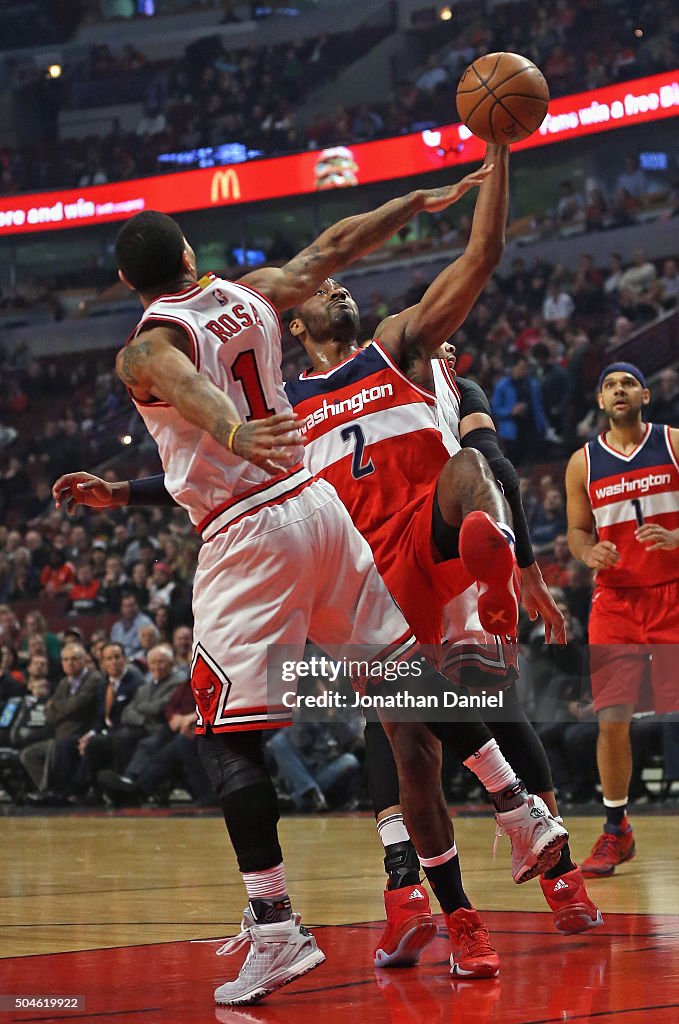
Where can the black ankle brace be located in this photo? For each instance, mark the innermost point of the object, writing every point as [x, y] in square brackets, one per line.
[272, 910]
[402, 865]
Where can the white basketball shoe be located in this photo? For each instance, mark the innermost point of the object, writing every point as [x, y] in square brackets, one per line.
[279, 953]
[536, 836]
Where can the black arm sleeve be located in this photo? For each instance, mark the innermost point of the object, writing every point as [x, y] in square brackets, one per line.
[484, 439]
[472, 397]
[150, 490]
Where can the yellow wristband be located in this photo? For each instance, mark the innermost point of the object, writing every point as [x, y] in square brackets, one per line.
[232, 433]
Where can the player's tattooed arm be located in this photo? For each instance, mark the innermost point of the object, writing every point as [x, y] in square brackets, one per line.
[449, 299]
[350, 239]
[154, 366]
[131, 360]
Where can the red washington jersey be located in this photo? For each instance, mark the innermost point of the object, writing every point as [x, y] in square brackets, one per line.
[628, 490]
[359, 424]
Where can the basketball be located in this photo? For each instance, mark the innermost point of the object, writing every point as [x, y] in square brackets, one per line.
[502, 97]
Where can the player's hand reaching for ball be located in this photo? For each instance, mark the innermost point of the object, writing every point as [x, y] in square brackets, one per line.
[603, 555]
[656, 538]
[73, 489]
[436, 199]
[273, 443]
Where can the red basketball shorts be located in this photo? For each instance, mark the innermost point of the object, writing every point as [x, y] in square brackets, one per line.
[634, 647]
[420, 582]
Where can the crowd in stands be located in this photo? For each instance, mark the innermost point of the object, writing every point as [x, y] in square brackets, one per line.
[255, 96]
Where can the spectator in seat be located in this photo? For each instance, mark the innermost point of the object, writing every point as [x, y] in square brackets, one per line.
[70, 712]
[125, 630]
[517, 408]
[138, 584]
[548, 522]
[668, 285]
[612, 279]
[113, 583]
[432, 76]
[149, 637]
[58, 576]
[143, 720]
[84, 596]
[152, 772]
[638, 288]
[555, 573]
[161, 585]
[554, 381]
[316, 760]
[664, 406]
[77, 760]
[587, 287]
[632, 180]
[570, 210]
[28, 726]
[9, 626]
[11, 681]
[558, 306]
[578, 592]
[182, 645]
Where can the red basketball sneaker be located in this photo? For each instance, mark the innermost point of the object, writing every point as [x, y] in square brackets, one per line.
[488, 557]
[472, 955]
[567, 897]
[410, 927]
[609, 850]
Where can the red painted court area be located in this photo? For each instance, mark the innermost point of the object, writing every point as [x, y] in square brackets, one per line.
[626, 972]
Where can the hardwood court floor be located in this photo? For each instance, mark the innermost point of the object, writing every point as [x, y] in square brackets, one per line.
[105, 906]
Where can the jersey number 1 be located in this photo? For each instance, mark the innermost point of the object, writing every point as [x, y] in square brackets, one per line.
[358, 467]
[244, 369]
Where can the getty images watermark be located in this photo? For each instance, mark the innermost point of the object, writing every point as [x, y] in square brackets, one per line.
[360, 681]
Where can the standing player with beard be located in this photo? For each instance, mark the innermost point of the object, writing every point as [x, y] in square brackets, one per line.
[623, 521]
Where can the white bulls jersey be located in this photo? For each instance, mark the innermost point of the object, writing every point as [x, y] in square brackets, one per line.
[447, 404]
[235, 336]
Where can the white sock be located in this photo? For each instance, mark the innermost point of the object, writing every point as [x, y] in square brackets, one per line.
[392, 830]
[616, 803]
[491, 769]
[266, 885]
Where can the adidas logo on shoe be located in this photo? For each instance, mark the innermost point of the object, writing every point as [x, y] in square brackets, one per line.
[416, 895]
[535, 812]
[560, 885]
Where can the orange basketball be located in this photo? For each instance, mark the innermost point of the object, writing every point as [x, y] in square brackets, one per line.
[502, 97]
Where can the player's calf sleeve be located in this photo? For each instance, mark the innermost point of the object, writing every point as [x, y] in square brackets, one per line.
[464, 736]
[381, 772]
[521, 746]
[235, 765]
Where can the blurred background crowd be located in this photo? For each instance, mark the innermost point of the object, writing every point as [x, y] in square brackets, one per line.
[95, 609]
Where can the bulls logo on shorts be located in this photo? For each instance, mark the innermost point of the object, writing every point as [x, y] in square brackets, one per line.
[207, 688]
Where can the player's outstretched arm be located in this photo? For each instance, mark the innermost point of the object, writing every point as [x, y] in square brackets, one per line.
[448, 300]
[349, 239]
[152, 366]
[80, 488]
[581, 537]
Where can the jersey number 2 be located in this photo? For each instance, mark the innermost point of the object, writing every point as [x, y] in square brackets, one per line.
[358, 467]
[244, 369]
